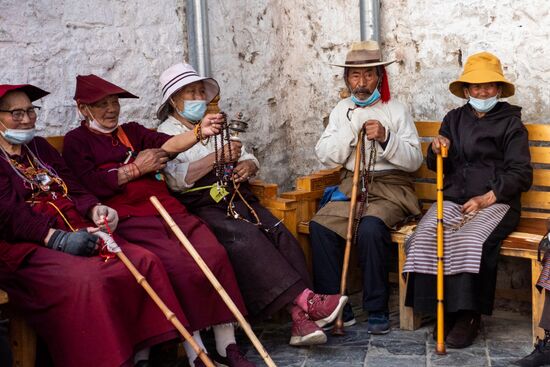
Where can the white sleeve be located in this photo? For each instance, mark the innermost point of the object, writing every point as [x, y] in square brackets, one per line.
[176, 169]
[403, 149]
[175, 173]
[245, 155]
[338, 140]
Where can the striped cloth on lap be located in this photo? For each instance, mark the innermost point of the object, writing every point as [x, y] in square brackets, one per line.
[463, 239]
[544, 278]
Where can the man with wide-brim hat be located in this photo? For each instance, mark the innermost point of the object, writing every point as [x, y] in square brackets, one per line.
[392, 141]
[487, 169]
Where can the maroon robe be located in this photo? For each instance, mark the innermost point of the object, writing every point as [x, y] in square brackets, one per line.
[88, 311]
[94, 158]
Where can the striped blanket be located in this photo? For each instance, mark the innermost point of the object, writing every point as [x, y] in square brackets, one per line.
[464, 236]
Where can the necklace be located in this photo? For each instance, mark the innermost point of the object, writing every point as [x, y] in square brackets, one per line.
[36, 176]
[366, 176]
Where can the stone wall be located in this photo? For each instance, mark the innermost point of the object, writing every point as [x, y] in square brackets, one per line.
[128, 42]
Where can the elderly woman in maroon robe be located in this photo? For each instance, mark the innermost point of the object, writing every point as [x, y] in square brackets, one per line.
[268, 261]
[120, 164]
[90, 312]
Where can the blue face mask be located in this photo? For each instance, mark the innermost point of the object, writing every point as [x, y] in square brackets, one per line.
[375, 96]
[483, 105]
[193, 110]
[18, 136]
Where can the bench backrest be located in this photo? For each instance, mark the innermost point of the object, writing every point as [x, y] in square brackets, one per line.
[535, 202]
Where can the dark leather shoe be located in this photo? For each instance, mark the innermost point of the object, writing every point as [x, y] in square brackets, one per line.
[539, 357]
[448, 323]
[465, 330]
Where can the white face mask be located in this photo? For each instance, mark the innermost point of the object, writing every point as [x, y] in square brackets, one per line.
[483, 105]
[18, 136]
[94, 125]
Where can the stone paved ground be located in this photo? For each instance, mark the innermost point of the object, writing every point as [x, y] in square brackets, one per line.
[505, 337]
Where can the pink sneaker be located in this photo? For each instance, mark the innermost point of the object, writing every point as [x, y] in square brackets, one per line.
[304, 330]
[324, 308]
[235, 358]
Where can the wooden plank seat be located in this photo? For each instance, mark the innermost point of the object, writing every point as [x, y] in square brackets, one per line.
[522, 243]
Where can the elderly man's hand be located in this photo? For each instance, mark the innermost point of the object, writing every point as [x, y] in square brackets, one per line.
[211, 124]
[375, 130]
[245, 170]
[102, 212]
[438, 142]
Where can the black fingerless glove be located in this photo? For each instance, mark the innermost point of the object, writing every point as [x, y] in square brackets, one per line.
[80, 243]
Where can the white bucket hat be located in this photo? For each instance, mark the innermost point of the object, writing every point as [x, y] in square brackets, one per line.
[178, 76]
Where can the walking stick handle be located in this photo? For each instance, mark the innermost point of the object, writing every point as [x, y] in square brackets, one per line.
[213, 280]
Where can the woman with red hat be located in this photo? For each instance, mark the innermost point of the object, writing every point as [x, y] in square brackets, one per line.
[119, 163]
[90, 312]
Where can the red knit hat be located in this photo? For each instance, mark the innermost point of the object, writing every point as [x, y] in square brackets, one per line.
[91, 88]
[31, 91]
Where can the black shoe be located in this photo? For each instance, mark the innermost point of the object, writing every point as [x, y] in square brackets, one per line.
[539, 357]
[448, 324]
[378, 323]
[347, 316]
[465, 330]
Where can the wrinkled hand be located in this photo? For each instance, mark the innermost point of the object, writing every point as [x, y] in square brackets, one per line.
[479, 202]
[211, 124]
[151, 160]
[80, 243]
[244, 170]
[235, 149]
[375, 130]
[438, 142]
[100, 212]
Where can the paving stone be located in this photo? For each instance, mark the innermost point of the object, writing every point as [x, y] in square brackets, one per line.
[399, 343]
[472, 356]
[502, 362]
[395, 361]
[509, 349]
[343, 356]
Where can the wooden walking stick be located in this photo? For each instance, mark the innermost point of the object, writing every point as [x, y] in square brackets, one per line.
[338, 328]
[214, 281]
[440, 345]
[170, 316]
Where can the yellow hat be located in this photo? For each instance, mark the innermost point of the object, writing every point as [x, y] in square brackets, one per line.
[480, 68]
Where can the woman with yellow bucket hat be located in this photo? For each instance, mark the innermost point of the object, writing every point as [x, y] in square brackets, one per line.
[487, 169]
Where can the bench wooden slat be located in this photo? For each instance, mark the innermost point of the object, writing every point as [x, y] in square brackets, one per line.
[540, 155]
[539, 132]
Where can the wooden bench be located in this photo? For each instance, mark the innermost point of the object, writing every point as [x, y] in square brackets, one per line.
[520, 244]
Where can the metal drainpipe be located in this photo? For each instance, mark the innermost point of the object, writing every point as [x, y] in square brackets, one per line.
[369, 17]
[197, 31]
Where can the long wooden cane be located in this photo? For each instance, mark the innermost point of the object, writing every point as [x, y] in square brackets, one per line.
[170, 316]
[440, 345]
[214, 281]
[338, 328]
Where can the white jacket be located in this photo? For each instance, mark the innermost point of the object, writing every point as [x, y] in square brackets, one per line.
[176, 169]
[337, 143]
